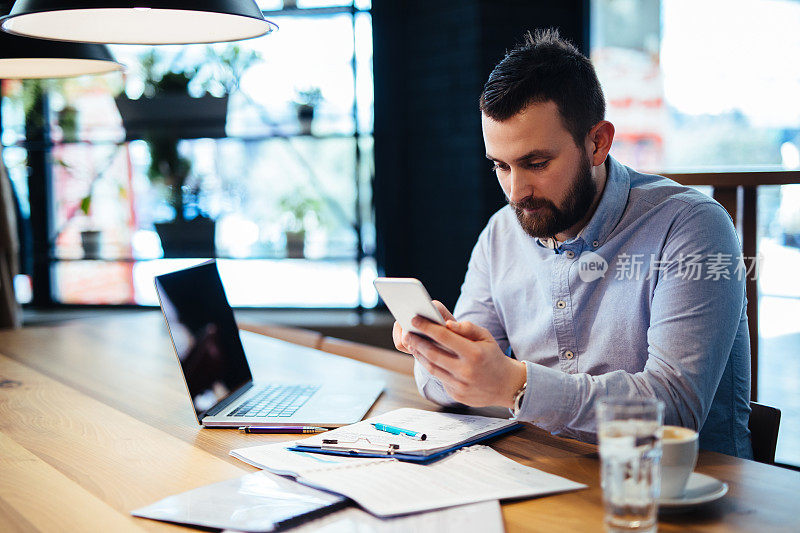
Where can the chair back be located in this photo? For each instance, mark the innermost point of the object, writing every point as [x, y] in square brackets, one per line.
[764, 423]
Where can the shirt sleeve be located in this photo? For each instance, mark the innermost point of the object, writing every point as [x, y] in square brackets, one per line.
[693, 324]
[475, 305]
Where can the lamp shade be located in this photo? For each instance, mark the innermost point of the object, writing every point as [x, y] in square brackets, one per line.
[24, 58]
[138, 21]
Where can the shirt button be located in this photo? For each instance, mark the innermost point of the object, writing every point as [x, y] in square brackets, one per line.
[561, 304]
[569, 355]
[570, 254]
[595, 244]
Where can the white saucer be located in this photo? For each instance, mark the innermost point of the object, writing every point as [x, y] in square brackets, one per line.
[699, 489]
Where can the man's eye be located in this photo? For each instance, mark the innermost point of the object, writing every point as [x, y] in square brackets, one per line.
[499, 167]
[538, 166]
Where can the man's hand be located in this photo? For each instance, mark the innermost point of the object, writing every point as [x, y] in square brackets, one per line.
[466, 359]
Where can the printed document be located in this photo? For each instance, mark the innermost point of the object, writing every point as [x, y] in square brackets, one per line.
[388, 487]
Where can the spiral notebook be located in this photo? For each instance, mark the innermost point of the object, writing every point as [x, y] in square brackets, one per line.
[444, 433]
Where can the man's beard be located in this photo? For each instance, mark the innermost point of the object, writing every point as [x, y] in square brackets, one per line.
[550, 220]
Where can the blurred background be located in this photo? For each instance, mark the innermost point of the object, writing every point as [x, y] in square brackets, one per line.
[347, 145]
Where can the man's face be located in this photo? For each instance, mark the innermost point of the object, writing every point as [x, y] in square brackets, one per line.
[546, 178]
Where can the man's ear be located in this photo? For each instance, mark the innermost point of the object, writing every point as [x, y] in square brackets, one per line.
[599, 141]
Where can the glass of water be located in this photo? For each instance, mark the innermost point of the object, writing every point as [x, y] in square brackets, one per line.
[629, 432]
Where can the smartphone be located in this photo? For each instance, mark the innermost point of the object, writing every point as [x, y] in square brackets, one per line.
[407, 298]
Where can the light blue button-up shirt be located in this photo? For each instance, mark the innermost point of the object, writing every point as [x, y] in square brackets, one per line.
[665, 319]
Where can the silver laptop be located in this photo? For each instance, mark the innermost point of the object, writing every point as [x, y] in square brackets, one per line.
[217, 375]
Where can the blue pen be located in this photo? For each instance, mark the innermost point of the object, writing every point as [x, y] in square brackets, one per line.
[400, 431]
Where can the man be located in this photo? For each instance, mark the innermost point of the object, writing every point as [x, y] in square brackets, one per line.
[596, 280]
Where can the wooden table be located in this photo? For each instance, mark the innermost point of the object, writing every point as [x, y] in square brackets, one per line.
[95, 422]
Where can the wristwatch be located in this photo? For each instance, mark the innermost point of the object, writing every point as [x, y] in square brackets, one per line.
[519, 396]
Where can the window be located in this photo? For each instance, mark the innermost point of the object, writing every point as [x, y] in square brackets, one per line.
[286, 190]
[713, 86]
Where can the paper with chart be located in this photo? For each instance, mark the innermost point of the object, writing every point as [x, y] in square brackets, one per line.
[442, 430]
[388, 487]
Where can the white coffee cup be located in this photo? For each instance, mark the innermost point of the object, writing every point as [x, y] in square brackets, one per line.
[679, 456]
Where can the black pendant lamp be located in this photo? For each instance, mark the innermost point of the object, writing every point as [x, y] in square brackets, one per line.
[26, 58]
[138, 21]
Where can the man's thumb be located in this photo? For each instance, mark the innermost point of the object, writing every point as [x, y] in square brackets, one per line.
[447, 315]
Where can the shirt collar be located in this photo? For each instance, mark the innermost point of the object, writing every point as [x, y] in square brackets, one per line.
[553, 244]
[609, 209]
[612, 204]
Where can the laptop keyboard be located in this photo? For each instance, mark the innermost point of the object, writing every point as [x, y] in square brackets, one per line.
[276, 400]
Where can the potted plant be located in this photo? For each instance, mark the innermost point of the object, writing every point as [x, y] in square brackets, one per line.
[166, 105]
[180, 236]
[90, 235]
[306, 102]
[90, 238]
[300, 213]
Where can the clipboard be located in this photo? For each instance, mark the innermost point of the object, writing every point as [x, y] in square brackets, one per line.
[407, 457]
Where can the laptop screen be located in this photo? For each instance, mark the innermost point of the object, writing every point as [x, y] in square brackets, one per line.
[204, 334]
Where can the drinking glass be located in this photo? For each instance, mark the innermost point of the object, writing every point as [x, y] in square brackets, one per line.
[629, 432]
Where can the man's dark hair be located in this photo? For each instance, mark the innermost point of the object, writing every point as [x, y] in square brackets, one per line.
[546, 68]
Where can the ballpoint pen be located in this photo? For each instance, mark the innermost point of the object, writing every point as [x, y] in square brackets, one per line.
[400, 431]
[281, 429]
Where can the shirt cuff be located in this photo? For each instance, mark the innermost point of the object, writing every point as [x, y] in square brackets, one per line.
[555, 394]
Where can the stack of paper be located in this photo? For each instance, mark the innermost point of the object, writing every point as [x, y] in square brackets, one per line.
[387, 487]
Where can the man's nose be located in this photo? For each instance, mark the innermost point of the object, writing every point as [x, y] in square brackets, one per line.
[519, 187]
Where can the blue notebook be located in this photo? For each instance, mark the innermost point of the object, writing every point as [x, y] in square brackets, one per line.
[436, 434]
